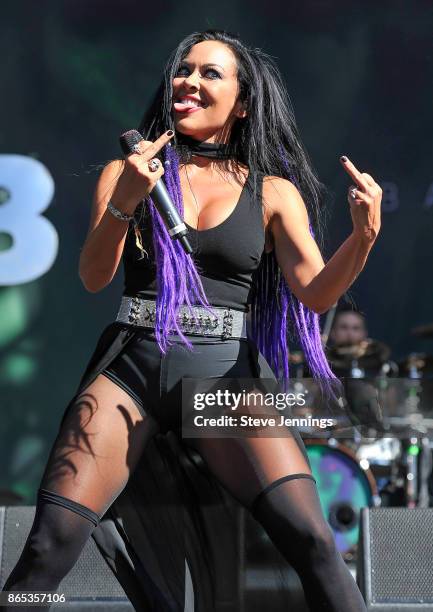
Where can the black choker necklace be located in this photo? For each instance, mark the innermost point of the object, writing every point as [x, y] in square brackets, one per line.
[187, 147]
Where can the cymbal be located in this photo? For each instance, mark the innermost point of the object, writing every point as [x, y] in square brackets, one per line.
[425, 331]
[369, 353]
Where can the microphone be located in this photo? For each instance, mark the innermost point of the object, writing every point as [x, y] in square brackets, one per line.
[177, 229]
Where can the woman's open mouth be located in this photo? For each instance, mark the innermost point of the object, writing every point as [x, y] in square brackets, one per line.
[187, 104]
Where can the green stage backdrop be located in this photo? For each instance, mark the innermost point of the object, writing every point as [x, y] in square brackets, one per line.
[77, 73]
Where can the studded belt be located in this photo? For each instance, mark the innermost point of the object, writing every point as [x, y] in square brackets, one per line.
[224, 323]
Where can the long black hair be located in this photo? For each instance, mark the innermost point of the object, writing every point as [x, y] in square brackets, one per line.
[268, 142]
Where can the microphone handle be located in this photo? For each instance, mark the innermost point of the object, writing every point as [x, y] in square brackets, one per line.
[174, 224]
[129, 142]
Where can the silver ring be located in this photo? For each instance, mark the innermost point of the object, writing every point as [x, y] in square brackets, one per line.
[135, 148]
[154, 164]
[352, 193]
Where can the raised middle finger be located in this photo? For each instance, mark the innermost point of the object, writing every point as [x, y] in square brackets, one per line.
[152, 149]
[354, 173]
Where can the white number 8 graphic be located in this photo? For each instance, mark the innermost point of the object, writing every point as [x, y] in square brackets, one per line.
[30, 187]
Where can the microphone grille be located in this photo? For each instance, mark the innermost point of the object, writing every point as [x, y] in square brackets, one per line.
[128, 140]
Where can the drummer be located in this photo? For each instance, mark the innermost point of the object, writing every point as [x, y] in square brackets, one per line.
[353, 355]
[350, 351]
[349, 327]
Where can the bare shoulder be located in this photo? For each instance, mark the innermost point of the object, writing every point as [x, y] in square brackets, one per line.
[282, 199]
[284, 209]
[281, 194]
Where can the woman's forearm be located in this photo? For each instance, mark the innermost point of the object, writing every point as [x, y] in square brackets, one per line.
[126, 183]
[101, 252]
[339, 273]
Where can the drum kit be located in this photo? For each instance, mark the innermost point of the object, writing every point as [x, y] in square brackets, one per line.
[388, 460]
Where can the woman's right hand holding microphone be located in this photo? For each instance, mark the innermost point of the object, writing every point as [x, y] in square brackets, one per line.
[141, 171]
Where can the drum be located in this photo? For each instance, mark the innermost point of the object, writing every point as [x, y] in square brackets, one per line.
[344, 488]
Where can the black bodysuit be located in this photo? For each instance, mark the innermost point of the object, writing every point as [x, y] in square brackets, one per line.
[226, 256]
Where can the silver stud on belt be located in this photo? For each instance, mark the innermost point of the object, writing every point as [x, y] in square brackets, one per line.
[227, 324]
[134, 310]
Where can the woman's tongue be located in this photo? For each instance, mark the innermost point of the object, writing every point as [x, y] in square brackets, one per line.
[183, 106]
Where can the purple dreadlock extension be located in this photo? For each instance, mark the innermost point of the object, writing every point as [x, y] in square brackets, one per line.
[272, 302]
[178, 281]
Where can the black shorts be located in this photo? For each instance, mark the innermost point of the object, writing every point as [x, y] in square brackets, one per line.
[154, 379]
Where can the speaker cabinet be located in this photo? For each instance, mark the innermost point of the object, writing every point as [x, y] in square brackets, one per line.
[90, 585]
[395, 559]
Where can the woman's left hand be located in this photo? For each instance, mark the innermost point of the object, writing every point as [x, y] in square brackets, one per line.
[365, 201]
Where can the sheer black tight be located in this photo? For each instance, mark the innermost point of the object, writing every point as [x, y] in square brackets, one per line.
[271, 477]
[290, 513]
[98, 446]
[55, 542]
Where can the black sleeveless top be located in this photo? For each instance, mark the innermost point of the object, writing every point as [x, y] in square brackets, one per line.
[225, 256]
